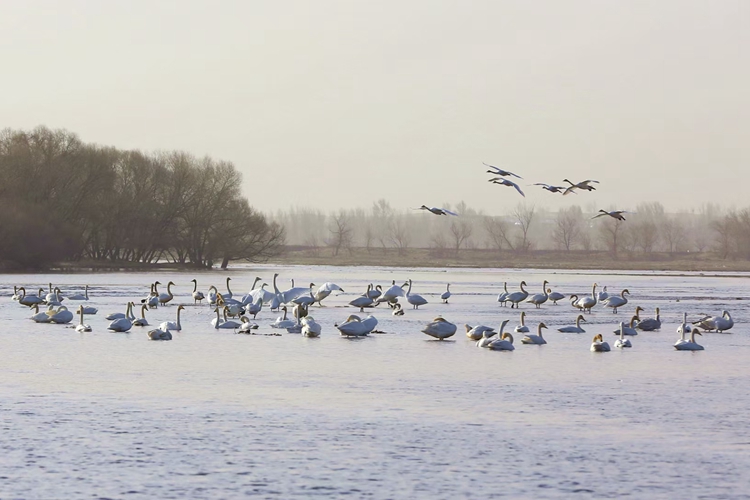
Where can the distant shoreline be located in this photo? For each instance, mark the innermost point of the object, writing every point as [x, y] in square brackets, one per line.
[421, 257]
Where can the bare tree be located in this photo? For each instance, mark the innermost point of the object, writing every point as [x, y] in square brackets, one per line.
[609, 232]
[524, 215]
[342, 233]
[567, 227]
[438, 244]
[400, 235]
[382, 214]
[674, 234]
[498, 231]
[647, 235]
[461, 230]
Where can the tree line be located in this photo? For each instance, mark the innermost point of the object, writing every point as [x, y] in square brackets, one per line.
[647, 231]
[65, 200]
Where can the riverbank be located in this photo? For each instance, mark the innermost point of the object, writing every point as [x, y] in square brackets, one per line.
[540, 259]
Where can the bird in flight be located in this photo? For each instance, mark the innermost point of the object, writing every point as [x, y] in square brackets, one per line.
[507, 182]
[615, 214]
[499, 171]
[437, 211]
[551, 189]
[581, 185]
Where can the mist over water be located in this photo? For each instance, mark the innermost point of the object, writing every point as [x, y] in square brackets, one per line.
[215, 414]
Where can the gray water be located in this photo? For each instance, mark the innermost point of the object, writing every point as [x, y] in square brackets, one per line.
[213, 414]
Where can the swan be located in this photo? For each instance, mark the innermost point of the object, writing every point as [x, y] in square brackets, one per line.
[234, 307]
[197, 296]
[282, 321]
[554, 296]
[152, 299]
[128, 314]
[142, 321]
[437, 211]
[229, 293]
[255, 307]
[683, 329]
[53, 297]
[265, 296]
[354, 326]
[650, 324]
[574, 329]
[310, 327]
[718, 323]
[535, 339]
[414, 299]
[173, 325]
[581, 185]
[440, 328]
[622, 341]
[509, 183]
[488, 334]
[503, 297]
[499, 171]
[551, 188]
[504, 343]
[249, 297]
[574, 302]
[226, 324]
[586, 303]
[326, 289]
[363, 300]
[446, 294]
[164, 298]
[690, 345]
[375, 291]
[539, 298]
[42, 317]
[159, 334]
[15, 295]
[29, 300]
[615, 214]
[393, 293]
[81, 326]
[477, 332]
[629, 330]
[289, 295]
[213, 295]
[122, 324]
[306, 300]
[602, 296]
[599, 345]
[247, 326]
[516, 297]
[79, 296]
[615, 301]
[522, 328]
[90, 310]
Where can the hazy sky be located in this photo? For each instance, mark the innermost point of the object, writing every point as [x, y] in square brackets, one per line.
[334, 104]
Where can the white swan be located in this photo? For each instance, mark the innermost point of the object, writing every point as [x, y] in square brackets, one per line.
[255, 307]
[197, 295]
[375, 291]
[229, 294]
[539, 298]
[603, 295]
[127, 314]
[622, 341]
[437, 211]
[53, 297]
[326, 289]
[615, 301]
[503, 297]
[78, 296]
[310, 327]
[414, 299]
[535, 339]
[354, 326]
[42, 317]
[629, 330]
[504, 343]
[164, 298]
[554, 296]
[683, 329]
[15, 295]
[159, 334]
[173, 325]
[81, 326]
[30, 300]
[122, 324]
[574, 329]
[152, 299]
[440, 328]
[282, 321]
[574, 302]
[142, 321]
[488, 334]
[599, 345]
[363, 300]
[446, 294]
[247, 326]
[226, 324]
[516, 297]
[477, 332]
[690, 345]
[522, 328]
[213, 295]
[393, 293]
[650, 324]
[90, 310]
[306, 299]
[718, 323]
[265, 296]
[586, 303]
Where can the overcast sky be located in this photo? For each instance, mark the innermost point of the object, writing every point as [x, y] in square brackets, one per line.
[333, 104]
